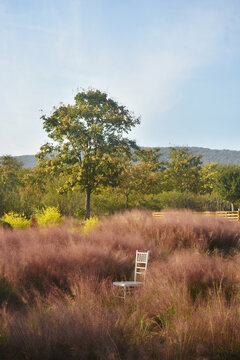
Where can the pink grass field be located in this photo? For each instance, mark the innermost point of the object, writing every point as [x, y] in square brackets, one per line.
[56, 296]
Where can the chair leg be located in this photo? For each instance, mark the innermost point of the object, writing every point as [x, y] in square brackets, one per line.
[122, 292]
[119, 292]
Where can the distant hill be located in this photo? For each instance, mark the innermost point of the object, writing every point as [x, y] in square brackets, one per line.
[223, 157]
[29, 161]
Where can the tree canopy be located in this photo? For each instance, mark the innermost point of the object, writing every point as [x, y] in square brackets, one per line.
[11, 179]
[139, 174]
[228, 182]
[88, 140]
[183, 172]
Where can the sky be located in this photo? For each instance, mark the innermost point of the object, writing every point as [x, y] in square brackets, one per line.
[175, 63]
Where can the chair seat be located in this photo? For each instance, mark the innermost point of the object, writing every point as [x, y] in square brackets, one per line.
[127, 283]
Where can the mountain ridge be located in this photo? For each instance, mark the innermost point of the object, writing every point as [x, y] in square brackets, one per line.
[223, 157]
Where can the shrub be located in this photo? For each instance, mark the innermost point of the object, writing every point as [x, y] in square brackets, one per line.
[5, 224]
[48, 216]
[90, 224]
[18, 221]
[178, 200]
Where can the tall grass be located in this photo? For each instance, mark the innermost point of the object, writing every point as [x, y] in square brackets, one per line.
[56, 296]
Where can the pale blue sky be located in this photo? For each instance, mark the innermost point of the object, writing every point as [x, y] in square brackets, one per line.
[174, 62]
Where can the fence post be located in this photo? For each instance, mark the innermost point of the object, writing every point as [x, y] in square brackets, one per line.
[238, 214]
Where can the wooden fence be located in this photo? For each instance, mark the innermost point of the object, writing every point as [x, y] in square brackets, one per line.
[230, 215]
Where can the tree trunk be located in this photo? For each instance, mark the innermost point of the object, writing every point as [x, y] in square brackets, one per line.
[232, 207]
[87, 204]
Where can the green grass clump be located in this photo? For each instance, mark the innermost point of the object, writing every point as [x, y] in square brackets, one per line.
[49, 216]
[16, 221]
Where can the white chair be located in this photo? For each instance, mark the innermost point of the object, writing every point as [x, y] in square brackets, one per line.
[141, 263]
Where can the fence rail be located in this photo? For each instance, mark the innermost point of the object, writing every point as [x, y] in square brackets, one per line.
[230, 215]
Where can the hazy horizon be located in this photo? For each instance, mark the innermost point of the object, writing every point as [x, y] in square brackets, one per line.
[177, 146]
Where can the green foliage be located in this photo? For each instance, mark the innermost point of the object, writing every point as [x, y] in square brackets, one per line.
[89, 141]
[142, 182]
[35, 180]
[17, 221]
[48, 216]
[141, 175]
[42, 190]
[208, 174]
[183, 171]
[5, 225]
[90, 223]
[179, 200]
[107, 201]
[11, 174]
[228, 182]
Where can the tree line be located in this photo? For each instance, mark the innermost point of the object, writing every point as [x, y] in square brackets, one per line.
[90, 156]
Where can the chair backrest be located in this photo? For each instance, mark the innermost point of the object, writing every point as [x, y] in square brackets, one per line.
[141, 263]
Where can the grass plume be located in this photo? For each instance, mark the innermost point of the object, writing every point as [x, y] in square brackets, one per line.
[56, 296]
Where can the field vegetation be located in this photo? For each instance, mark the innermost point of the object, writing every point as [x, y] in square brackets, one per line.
[56, 296]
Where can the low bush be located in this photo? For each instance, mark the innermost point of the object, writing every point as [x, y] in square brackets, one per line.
[17, 221]
[90, 224]
[180, 200]
[48, 216]
[5, 224]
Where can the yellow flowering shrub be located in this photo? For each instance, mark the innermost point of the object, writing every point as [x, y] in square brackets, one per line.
[49, 216]
[90, 223]
[17, 221]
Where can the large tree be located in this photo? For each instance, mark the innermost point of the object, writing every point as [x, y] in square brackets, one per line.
[88, 140]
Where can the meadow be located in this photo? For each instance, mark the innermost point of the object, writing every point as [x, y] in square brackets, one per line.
[57, 300]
